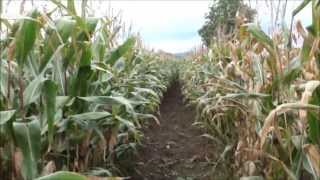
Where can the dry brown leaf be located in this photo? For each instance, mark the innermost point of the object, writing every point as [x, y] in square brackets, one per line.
[113, 139]
[49, 168]
[258, 48]
[271, 118]
[301, 30]
[313, 155]
[306, 95]
[18, 160]
[315, 47]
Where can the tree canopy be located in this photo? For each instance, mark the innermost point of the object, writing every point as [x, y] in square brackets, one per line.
[221, 18]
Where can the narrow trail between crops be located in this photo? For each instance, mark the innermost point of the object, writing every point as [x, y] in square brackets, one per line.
[175, 149]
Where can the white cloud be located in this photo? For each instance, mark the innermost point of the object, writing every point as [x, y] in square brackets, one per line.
[168, 25]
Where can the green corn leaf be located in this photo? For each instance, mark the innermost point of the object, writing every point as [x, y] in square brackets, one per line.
[80, 84]
[63, 175]
[28, 139]
[33, 90]
[3, 79]
[110, 100]
[50, 93]
[90, 116]
[260, 35]
[125, 122]
[121, 51]
[99, 47]
[300, 7]
[313, 118]
[147, 90]
[86, 55]
[87, 26]
[64, 28]
[5, 116]
[26, 36]
[61, 101]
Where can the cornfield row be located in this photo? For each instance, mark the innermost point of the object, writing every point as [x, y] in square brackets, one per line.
[71, 98]
[260, 99]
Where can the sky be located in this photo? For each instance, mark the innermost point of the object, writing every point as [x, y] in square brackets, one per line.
[171, 26]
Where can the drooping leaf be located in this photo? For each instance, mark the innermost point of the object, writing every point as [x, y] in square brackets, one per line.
[26, 36]
[110, 100]
[89, 116]
[64, 27]
[33, 90]
[80, 84]
[28, 138]
[50, 93]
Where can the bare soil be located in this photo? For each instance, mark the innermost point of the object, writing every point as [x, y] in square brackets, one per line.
[175, 149]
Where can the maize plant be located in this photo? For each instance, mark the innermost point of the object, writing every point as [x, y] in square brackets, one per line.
[259, 97]
[72, 98]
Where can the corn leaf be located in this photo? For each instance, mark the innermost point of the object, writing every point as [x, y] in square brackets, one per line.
[313, 118]
[64, 27]
[90, 116]
[121, 51]
[110, 100]
[260, 36]
[28, 138]
[5, 116]
[50, 93]
[33, 90]
[63, 175]
[26, 37]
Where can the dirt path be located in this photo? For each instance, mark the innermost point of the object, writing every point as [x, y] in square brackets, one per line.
[173, 149]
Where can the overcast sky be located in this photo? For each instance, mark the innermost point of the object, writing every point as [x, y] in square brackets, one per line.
[168, 25]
